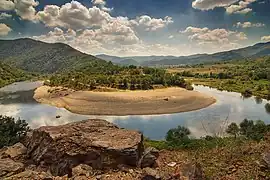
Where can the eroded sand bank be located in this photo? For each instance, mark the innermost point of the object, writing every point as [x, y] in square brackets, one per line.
[160, 101]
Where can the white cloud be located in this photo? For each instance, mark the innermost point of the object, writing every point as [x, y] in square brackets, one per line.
[76, 16]
[101, 4]
[240, 8]
[5, 16]
[217, 35]
[6, 5]
[241, 36]
[171, 37]
[211, 4]
[248, 25]
[26, 9]
[231, 6]
[23, 8]
[73, 15]
[265, 38]
[152, 24]
[4, 29]
[215, 39]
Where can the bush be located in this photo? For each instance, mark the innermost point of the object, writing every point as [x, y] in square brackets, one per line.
[267, 107]
[178, 135]
[12, 131]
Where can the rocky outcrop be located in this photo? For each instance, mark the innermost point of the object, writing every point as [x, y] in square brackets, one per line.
[95, 142]
[8, 167]
[91, 149]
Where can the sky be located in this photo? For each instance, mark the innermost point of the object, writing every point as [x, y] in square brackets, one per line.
[139, 27]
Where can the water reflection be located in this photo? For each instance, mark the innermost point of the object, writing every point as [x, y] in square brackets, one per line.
[230, 107]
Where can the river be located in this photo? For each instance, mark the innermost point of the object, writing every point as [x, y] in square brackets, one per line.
[17, 100]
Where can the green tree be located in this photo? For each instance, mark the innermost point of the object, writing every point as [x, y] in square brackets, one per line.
[178, 135]
[12, 131]
[233, 129]
[246, 127]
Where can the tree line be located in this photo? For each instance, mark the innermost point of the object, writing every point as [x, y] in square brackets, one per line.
[119, 77]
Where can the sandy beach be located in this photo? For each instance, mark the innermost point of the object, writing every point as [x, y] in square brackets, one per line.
[160, 101]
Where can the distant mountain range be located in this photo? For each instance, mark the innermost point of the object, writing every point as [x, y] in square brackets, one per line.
[36, 56]
[258, 50]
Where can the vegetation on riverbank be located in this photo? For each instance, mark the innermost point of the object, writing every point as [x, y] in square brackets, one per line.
[112, 76]
[249, 77]
[236, 156]
[10, 75]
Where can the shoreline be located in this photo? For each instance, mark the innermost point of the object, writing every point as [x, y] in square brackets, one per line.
[152, 102]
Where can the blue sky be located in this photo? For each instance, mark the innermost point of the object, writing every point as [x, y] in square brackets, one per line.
[139, 27]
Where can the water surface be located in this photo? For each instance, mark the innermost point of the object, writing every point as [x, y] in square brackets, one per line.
[16, 100]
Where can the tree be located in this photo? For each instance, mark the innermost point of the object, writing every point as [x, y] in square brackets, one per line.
[233, 129]
[246, 127]
[12, 131]
[178, 134]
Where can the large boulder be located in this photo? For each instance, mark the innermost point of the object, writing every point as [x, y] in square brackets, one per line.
[95, 142]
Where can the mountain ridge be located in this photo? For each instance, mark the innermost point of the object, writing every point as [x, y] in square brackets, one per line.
[37, 56]
[253, 51]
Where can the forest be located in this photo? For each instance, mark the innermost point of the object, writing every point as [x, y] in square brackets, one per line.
[247, 76]
[118, 77]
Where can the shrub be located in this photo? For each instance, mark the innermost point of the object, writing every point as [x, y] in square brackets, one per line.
[12, 131]
[178, 135]
[267, 107]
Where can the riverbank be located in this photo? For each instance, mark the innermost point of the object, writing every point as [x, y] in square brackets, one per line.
[160, 101]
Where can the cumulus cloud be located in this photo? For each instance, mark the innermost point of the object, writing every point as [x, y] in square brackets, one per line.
[101, 4]
[214, 39]
[265, 38]
[26, 9]
[206, 34]
[6, 5]
[4, 29]
[211, 4]
[231, 6]
[240, 8]
[23, 8]
[73, 15]
[248, 25]
[5, 16]
[76, 16]
[152, 24]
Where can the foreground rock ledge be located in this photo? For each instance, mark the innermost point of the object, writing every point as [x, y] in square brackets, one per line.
[94, 142]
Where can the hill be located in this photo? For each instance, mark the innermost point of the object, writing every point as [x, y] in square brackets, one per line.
[127, 62]
[9, 75]
[258, 50]
[36, 56]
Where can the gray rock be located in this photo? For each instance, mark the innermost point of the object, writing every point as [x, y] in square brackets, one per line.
[149, 158]
[82, 170]
[266, 159]
[192, 171]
